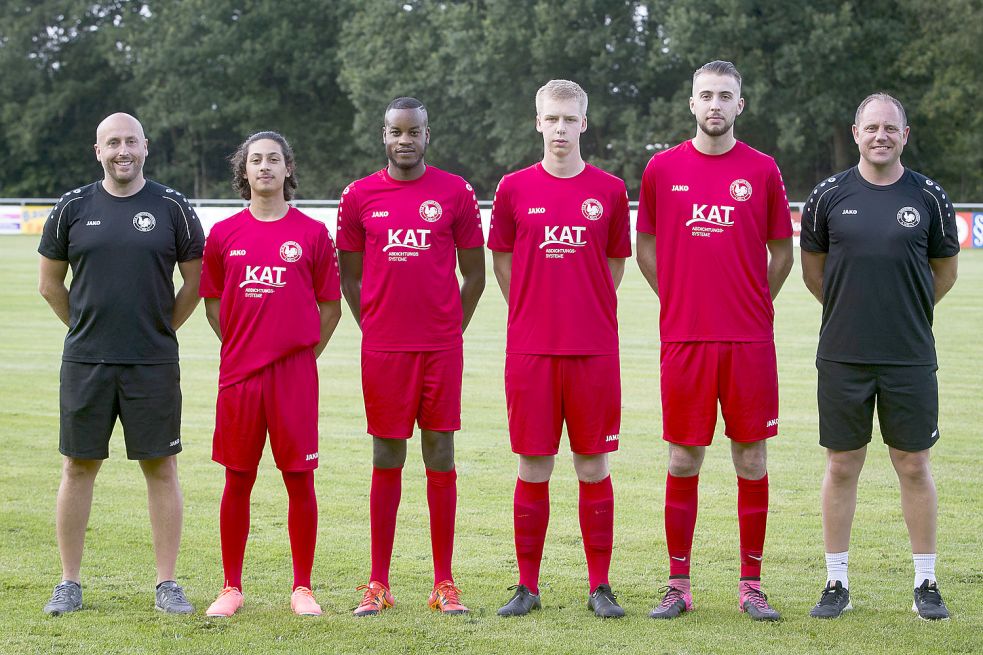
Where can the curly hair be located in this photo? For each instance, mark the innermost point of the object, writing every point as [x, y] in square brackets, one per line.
[238, 163]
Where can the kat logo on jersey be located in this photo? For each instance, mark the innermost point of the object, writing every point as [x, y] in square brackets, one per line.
[561, 240]
[406, 243]
[710, 219]
[262, 280]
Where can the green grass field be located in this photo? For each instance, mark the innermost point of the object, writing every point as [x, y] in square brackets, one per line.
[118, 573]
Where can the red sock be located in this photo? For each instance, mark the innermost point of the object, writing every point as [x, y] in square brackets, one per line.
[752, 517]
[442, 500]
[682, 499]
[531, 516]
[387, 486]
[597, 528]
[301, 523]
[234, 523]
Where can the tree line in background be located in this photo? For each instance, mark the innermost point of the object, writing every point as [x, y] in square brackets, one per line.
[204, 74]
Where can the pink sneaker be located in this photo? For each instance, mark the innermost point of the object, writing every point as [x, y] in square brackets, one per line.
[754, 602]
[303, 604]
[676, 600]
[228, 603]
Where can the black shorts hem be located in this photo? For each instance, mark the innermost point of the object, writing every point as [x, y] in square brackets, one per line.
[157, 455]
[93, 456]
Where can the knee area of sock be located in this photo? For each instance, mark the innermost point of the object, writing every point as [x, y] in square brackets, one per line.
[442, 478]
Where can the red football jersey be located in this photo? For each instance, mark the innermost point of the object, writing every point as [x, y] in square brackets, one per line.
[712, 216]
[561, 232]
[409, 233]
[269, 276]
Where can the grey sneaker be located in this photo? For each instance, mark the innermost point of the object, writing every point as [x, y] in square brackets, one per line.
[67, 597]
[171, 599]
[928, 603]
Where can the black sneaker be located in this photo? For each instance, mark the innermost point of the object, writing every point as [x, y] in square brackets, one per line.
[834, 601]
[67, 597]
[602, 602]
[521, 603]
[170, 598]
[928, 602]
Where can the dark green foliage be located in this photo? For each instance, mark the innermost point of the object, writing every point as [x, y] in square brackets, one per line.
[204, 74]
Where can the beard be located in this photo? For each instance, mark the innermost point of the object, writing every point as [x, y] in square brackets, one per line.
[404, 164]
[716, 130]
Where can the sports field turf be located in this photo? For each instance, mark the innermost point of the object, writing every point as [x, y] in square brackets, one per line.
[118, 572]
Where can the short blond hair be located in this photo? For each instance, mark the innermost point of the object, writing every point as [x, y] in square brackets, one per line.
[561, 90]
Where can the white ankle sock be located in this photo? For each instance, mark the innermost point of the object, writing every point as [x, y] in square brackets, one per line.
[836, 565]
[924, 568]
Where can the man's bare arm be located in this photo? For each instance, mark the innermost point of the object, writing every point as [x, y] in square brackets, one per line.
[645, 256]
[813, 264]
[472, 264]
[350, 263]
[780, 257]
[944, 273]
[502, 263]
[51, 285]
[186, 298]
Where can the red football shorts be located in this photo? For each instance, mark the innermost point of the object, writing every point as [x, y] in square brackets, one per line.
[280, 399]
[401, 388]
[541, 391]
[743, 376]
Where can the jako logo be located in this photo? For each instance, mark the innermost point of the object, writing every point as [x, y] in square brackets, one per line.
[611, 437]
[270, 276]
[415, 239]
[713, 214]
[849, 211]
[568, 236]
[773, 422]
[537, 210]
[382, 214]
[310, 457]
[680, 187]
[236, 253]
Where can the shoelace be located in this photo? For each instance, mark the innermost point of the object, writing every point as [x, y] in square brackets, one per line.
[757, 597]
[829, 596]
[63, 593]
[449, 593]
[377, 598]
[304, 591]
[175, 594]
[672, 596]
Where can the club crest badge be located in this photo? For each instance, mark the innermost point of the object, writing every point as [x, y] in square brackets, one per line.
[291, 251]
[592, 209]
[144, 221]
[740, 190]
[430, 211]
[909, 217]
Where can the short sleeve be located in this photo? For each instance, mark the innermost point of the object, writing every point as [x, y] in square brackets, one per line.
[619, 229]
[467, 220]
[646, 201]
[212, 266]
[188, 234]
[814, 235]
[327, 284]
[54, 236]
[779, 213]
[943, 238]
[501, 234]
[351, 232]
